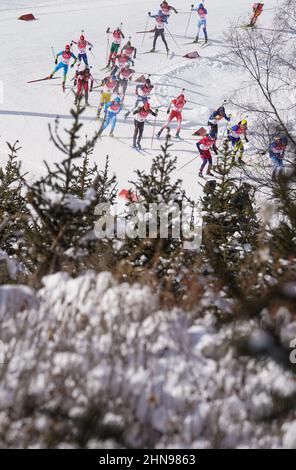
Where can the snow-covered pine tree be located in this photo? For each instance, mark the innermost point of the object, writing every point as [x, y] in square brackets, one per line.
[283, 234]
[162, 257]
[230, 225]
[60, 233]
[13, 210]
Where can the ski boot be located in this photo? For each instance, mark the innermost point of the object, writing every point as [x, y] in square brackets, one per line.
[168, 51]
[64, 86]
[153, 49]
[195, 40]
[111, 134]
[158, 135]
[178, 135]
[200, 174]
[139, 146]
[134, 145]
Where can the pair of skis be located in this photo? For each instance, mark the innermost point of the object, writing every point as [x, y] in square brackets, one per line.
[204, 44]
[48, 78]
[42, 79]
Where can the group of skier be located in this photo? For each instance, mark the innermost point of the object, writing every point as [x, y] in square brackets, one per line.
[120, 63]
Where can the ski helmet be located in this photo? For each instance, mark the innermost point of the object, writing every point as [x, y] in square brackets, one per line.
[82, 37]
[67, 47]
[213, 135]
[284, 141]
[181, 98]
[113, 77]
[117, 99]
[244, 122]
[148, 82]
[221, 110]
[128, 43]
[127, 65]
[147, 106]
[201, 5]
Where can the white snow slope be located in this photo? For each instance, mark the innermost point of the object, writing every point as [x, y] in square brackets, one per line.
[27, 109]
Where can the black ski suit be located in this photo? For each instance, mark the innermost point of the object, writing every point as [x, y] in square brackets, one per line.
[139, 125]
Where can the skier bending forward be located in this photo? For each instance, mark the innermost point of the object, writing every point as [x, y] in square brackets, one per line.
[202, 22]
[66, 55]
[257, 10]
[82, 80]
[277, 151]
[141, 115]
[175, 110]
[159, 30]
[215, 117]
[116, 41]
[235, 134]
[112, 109]
[82, 45]
[109, 84]
[204, 146]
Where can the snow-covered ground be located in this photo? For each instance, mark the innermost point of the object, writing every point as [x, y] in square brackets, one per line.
[27, 108]
[171, 379]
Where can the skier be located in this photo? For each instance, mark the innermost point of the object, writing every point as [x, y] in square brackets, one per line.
[257, 10]
[130, 51]
[82, 80]
[121, 61]
[66, 56]
[142, 92]
[141, 114]
[82, 45]
[175, 112]
[124, 76]
[112, 109]
[202, 22]
[277, 152]
[165, 9]
[159, 30]
[117, 36]
[215, 117]
[235, 134]
[109, 84]
[204, 146]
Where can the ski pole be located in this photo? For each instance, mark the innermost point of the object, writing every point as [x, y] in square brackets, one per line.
[145, 31]
[153, 131]
[222, 138]
[71, 89]
[52, 49]
[108, 44]
[172, 37]
[188, 21]
[186, 164]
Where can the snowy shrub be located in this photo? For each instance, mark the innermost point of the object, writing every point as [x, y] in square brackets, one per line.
[91, 362]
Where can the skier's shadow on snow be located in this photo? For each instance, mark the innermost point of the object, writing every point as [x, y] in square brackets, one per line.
[284, 31]
[44, 115]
